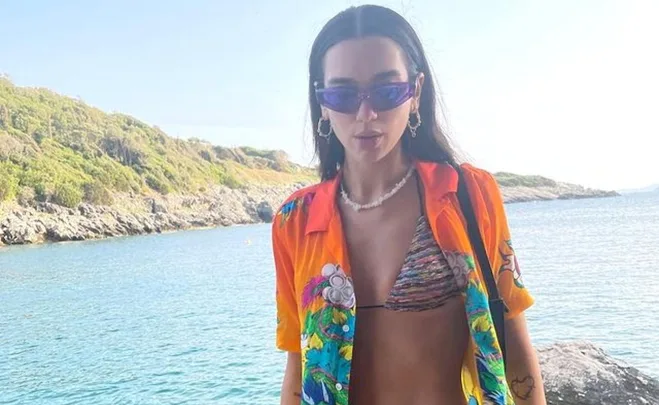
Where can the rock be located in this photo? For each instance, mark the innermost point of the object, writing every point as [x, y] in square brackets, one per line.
[265, 212]
[587, 194]
[147, 223]
[562, 191]
[219, 206]
[582, 374]
[14, 231]
[199, 222]
[180, 223]
[92, 227]
[157, 207]
[129, 224]
[39, 227]
[190, 202]
[50, 208]
[61, 232]
[224, 221]
[87, 210]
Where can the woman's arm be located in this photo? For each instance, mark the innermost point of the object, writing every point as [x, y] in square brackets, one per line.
[522, 366]
[291, 387]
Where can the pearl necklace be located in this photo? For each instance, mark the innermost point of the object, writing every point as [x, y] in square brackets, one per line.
[380, 200]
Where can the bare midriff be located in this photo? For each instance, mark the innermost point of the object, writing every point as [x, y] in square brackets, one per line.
[411, 358]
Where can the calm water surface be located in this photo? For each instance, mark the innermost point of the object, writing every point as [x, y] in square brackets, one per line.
[188, 318]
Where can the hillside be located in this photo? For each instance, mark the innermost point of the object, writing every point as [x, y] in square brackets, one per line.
[519, 188]
[55, 148]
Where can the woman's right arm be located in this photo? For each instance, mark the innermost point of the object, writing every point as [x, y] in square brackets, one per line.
[291, 387]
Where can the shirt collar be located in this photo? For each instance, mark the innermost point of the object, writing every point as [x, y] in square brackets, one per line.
[438, 180]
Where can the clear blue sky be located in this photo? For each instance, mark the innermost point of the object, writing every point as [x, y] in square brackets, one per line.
[566, 89]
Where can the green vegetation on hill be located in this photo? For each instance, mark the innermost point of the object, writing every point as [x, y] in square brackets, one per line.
[56, 148]
[515, 180]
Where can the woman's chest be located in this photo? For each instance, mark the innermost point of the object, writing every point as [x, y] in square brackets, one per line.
[376, 253]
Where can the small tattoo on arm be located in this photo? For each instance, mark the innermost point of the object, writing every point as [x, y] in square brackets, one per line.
[297, 394]
[523, 387]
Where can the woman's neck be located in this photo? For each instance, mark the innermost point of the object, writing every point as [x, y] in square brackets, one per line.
[367, 181]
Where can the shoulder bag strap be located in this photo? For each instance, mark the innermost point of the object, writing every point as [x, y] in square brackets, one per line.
[496, 303]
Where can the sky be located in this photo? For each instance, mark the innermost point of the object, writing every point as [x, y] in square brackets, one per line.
[567, 89]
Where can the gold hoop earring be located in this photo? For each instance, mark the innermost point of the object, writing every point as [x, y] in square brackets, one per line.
[319, 129]
[416, 125]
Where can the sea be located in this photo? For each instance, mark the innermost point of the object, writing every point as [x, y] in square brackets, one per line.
[188, 317]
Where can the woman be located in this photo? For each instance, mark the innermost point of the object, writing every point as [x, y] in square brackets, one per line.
[379, 298]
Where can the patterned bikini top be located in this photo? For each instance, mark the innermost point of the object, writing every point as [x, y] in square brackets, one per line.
[426, 280]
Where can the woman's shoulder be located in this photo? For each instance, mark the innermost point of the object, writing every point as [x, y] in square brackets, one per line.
[481, 178]
[486, 195]
[481, 184]
[301, 195]
[445, 176]
[295, 207]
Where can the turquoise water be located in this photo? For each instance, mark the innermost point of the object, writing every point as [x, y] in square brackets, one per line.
[188, 318]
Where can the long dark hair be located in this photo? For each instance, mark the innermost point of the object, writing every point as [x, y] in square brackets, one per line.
[430, 143]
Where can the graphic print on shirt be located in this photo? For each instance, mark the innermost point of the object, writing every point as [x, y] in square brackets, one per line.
[287, 209]
[327, 338]
[491, 374]
[510, 263]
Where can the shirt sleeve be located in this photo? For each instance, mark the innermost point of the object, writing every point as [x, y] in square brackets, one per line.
[288, 322]
[500, 248]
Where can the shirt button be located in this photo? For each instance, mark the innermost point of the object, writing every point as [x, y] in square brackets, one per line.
[346, 328]
[339, 387]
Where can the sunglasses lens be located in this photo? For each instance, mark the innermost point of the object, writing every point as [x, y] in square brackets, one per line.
[340, 99]
[389, 96]
[347, 100]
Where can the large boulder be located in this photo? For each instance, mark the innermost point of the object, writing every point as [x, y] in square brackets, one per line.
[50, 208]
[265, 212]
[64, 230]
[582, 374]
[158, 207]
[14, 230]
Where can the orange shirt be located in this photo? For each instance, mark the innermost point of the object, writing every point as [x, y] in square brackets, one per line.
[316, 303]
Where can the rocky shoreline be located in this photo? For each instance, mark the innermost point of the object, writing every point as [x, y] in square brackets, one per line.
[562, 191]
[579, 373]
[46, 222]
[133, 215]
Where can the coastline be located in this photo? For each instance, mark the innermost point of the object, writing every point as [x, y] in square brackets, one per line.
[137, 215]
[561, 191]
[43, 222]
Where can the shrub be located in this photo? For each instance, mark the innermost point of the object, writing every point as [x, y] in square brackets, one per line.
[26, 196]
[42, 192]
[96, 193]
[8, 186]
[231, 182]
[67, 195]
[157, 184]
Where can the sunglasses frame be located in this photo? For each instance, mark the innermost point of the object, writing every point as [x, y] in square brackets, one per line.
[364, 94]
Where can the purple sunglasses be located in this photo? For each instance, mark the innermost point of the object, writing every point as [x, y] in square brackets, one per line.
[382, 97]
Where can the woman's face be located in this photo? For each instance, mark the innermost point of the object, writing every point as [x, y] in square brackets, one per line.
[368, 135]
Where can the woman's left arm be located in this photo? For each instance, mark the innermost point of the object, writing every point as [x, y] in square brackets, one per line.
[522, 366]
